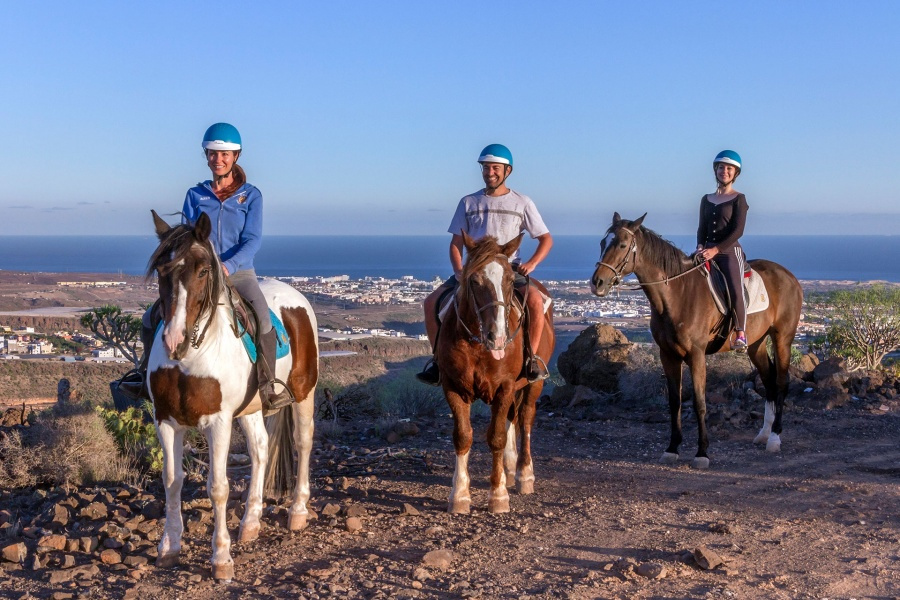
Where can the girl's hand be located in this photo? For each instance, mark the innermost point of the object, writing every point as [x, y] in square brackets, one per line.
[225, 269]
[709, 253]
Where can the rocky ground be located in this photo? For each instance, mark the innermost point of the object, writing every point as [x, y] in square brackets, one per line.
[817, 520]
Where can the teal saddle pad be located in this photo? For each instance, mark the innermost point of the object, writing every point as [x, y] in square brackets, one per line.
[282, 347]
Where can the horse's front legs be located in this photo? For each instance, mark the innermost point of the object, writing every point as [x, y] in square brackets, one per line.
[171, 438]
[497, 437]
[697, 364]
[258, 447]
[672, 368]
[217, 430]
[303, 440]
[460, 501]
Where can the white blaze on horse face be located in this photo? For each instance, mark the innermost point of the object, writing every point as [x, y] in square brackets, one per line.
[494, 274]
[174, 332]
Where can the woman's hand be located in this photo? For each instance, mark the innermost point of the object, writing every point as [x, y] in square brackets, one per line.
[225, 269]
[709, 253]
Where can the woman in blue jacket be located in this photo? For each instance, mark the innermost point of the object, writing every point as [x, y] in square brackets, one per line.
[235, 209]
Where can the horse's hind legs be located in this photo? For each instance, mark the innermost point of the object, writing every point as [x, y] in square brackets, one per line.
[304, 425]
[510, 454]
[171, 438]
[768, 372]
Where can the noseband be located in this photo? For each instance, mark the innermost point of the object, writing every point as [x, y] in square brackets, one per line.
[619, 270]
[481, 338]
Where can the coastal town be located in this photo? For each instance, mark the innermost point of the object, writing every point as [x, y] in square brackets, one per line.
[573, 306]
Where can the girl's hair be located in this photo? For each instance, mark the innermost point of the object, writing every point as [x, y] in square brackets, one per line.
[239, 178]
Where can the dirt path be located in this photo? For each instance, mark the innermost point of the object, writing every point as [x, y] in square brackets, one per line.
[818, 520]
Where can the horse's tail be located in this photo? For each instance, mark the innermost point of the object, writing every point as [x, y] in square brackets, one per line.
[280, 471]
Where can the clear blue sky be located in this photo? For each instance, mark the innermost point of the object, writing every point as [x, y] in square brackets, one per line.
[367, 117]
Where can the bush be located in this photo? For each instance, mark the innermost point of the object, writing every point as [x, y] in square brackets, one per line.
[404, 397]
[133, 435]
[18, 463]
[864, 325]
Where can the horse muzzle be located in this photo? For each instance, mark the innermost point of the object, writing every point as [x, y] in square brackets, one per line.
[175, 341]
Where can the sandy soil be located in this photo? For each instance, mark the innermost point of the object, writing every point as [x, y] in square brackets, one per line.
[817, 520]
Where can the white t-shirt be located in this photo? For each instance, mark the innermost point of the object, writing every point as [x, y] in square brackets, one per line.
[503, 217]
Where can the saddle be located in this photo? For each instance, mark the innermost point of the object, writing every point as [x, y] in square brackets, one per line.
[756, 298]
[247, 326]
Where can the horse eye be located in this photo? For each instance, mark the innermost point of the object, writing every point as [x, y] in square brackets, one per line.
[203, 273]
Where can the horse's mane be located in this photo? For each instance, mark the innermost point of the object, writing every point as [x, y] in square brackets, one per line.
[175, 247]
[483, 253]
[662, 252]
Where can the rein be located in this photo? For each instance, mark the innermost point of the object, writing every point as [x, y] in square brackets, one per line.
[209, 304]
[619, 272]
[480, 339]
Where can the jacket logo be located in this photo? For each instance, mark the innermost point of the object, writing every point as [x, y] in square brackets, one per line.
[241, 199]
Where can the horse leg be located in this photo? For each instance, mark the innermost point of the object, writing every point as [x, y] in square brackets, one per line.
[510, 453]
[527, 410]
[759, 356]
[218, 436]
[672, 368]
[496, 439]
[460, 501]
[171, 438]
[303, 441]
[258, 447]
[697, 365]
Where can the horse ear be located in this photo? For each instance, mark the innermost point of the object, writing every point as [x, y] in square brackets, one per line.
[510, 247]
[162, 228]
[616, 218]
[467, 241]
[202, 227]
[637, 224]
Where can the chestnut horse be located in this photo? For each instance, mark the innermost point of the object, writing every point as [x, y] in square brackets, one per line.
[683, 321]
[480, 350]
[201, 376]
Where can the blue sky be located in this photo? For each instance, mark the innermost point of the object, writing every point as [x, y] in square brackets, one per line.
[367, 117]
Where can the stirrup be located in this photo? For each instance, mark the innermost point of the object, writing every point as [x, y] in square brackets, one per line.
[739, 344]
[537, 369]
[431, 374]
[272, 403]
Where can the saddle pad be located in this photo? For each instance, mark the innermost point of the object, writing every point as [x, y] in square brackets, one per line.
[282, 348]
[756, 298]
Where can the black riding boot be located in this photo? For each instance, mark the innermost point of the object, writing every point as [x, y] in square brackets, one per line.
[147, 335]
[431, 374]
[271, 401]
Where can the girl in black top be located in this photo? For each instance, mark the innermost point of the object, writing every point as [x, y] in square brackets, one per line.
[722, 218]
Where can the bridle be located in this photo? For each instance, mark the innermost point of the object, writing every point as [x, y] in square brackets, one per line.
[482, 338]
[619, 271]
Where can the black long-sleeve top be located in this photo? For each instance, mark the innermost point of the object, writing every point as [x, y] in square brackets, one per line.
[722, 225]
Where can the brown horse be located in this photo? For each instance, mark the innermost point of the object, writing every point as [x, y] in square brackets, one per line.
[683, 320]
[480, 350]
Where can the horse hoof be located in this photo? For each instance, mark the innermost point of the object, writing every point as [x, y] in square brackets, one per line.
[223, 572]
[700, 462]
[668, 458]
[167, 561]
[499, 505]
[525, 487]
[510, 479]
[248, 534]
[774, 444]
[297, 522]
[761, 438]
[460, 507]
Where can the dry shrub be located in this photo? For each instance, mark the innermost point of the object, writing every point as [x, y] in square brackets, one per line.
[18, 464]
[73, 446]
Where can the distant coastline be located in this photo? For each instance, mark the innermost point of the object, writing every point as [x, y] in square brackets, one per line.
[825, 258]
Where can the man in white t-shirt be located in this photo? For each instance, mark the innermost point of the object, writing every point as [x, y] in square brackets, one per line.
[498, 211]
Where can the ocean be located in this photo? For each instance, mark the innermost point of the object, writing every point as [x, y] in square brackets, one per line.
[856, 258]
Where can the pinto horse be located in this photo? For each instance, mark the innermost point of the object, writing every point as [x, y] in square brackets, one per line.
[684, 318]
[480, 350]
[201, 376]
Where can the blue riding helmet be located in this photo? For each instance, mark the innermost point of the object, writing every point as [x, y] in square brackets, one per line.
[496, 153]
[222, 136]
[729, 157]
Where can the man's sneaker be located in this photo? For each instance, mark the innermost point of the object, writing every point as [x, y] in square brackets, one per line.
[740, 342]
[537, 370]
[430, 374]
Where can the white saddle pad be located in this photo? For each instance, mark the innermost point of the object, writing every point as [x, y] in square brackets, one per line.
[756, 298]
